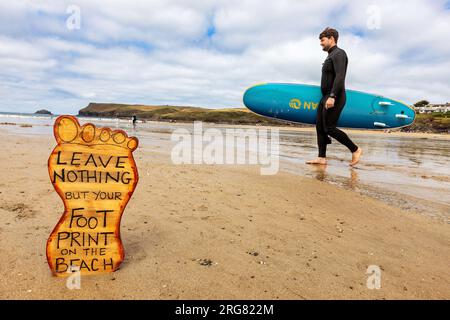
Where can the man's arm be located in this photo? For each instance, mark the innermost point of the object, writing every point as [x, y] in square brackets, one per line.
[340, 67]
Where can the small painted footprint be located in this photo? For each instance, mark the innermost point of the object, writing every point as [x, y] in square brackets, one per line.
[93, 171]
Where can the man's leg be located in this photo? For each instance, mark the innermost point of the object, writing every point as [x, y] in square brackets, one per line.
[322, 137]
[342, 137]
[331, 119]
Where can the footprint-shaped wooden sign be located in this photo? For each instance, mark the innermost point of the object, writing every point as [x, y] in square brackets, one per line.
[93, 171]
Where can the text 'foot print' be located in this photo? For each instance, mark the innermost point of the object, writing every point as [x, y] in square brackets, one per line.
[94, 173]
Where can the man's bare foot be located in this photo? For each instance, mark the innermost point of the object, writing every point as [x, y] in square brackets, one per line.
[355, 156]
[318, 160]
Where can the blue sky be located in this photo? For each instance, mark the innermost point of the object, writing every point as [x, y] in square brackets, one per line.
[206, 53]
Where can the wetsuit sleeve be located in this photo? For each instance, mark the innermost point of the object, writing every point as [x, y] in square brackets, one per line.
[340, 67]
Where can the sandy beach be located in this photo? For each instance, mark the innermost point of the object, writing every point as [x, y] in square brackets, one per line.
[222, 232]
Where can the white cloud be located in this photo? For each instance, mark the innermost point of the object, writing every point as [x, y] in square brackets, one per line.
[158, 52]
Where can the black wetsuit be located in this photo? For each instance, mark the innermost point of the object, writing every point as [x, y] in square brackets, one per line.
[333, 83]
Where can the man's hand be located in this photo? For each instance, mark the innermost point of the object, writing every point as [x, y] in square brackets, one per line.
[330, 103]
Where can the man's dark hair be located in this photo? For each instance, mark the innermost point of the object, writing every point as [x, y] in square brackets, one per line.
[330, 32]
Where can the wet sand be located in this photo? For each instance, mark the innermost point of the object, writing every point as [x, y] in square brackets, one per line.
[223, 232]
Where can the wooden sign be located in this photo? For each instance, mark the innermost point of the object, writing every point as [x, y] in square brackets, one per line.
[93, 171]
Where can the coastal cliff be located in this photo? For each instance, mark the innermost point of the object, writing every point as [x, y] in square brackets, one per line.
[178, 113]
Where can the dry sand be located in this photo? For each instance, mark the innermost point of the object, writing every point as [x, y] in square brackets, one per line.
[222, 232]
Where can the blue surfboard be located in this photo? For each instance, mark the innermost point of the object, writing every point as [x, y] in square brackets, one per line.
[299, 102]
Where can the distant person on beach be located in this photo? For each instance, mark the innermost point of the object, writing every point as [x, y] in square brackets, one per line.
[333, 99]
[134, 119]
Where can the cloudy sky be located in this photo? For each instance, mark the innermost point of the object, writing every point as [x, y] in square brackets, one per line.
[61, 55]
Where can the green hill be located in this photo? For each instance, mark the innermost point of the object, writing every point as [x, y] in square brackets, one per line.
[179, 114]
[436, 122]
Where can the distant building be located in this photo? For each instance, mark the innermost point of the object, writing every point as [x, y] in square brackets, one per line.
[431, 108]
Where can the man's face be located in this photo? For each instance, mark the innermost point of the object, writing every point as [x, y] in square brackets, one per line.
[326, 43]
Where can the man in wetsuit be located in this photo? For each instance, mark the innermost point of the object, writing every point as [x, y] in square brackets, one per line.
[333, 99]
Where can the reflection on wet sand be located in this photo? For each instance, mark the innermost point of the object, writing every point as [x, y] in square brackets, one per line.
[319, 171]
[350, 181]
[353, 179]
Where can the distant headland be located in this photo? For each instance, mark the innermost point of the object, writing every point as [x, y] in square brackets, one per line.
[43, 111]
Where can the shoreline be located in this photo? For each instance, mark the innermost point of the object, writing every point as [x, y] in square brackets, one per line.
[394, 133]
